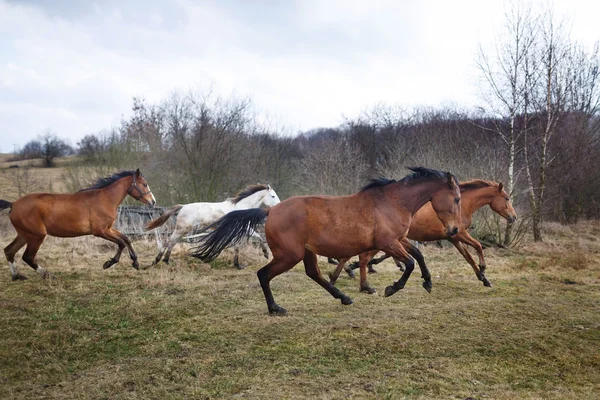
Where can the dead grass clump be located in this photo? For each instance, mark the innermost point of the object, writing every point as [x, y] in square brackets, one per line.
[557, 229]
[576, 260]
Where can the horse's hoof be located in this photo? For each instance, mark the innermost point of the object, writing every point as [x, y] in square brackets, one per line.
[332, 261]
[266, 255]
[372, 270]
[166, 261]
[107, 264]
[19, 277]
[277, 311]
[368, 290]
[346, 301]
[486, 283]
[136, 265]
[350, 273]
[427, 285]
[389, 291]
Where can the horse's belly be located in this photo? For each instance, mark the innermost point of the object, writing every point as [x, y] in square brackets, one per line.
[342, 248]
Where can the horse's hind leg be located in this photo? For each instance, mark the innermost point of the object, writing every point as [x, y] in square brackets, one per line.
[333, 276]
[236, 258]
[33, 245]
[10, 252]
[271, 270]
[312, 270]
[173, 240]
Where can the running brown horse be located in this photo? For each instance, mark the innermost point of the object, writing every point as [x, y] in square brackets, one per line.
[299, 228]
[90, 211]
[426, 227]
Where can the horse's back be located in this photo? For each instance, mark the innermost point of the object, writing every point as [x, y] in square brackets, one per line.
[201, 213]
[327, 225]
[55, 214]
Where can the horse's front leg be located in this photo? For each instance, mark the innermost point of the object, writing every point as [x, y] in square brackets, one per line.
[132, 254]
[467, 256]
[110, 235]
[398, 251]
[414, 251]
[466, 238]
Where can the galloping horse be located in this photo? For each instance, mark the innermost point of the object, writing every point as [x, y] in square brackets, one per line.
[378, 217]
[201, 215]
[426, 227]
[90, 211]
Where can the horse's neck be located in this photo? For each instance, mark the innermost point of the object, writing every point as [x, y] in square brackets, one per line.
[472, 200]
[252, 201]
[413, 196]
[117, 192]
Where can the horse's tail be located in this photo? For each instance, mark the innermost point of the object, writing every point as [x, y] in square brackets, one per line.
[5, 204]
[229, 229]
[163, 218]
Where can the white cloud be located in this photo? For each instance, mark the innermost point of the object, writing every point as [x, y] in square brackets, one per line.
[73, 67]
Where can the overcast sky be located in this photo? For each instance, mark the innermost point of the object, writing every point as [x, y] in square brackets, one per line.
[72, 67]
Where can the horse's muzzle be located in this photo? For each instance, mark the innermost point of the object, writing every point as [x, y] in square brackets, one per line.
[512, 219]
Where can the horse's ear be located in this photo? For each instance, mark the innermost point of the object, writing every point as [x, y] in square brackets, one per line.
[269, 188]
[500, 186]
[451, 182]
[137, 172]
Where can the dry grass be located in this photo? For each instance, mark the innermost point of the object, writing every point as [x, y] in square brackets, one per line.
[190, 330]
[47, 179]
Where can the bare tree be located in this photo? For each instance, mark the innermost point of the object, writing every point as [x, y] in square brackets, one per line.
[505, 79]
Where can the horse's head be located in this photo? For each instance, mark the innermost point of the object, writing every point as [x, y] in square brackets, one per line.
[446, 203]
[270, 198]
[502, 205]
[140, 190]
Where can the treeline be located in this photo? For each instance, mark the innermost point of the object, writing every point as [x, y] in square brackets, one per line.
[194, 147]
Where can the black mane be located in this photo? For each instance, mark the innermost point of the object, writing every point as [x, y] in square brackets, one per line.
[377, 182]
[250, 190]
[420, 173]
[104, 182]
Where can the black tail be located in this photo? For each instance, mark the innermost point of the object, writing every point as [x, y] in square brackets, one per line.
[5, 204]
[229, 229]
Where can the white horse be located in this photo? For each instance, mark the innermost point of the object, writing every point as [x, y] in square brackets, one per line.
[201, 215]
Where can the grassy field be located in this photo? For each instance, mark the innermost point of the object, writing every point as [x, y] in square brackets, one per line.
[192, 330]
[41, 179]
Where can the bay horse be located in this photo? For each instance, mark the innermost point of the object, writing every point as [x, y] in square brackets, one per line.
[301, 227]
[426, 227]
[201, 215]
[90, 211]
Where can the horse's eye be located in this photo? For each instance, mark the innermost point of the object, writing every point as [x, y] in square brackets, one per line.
[457, 200]
[145, 185]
